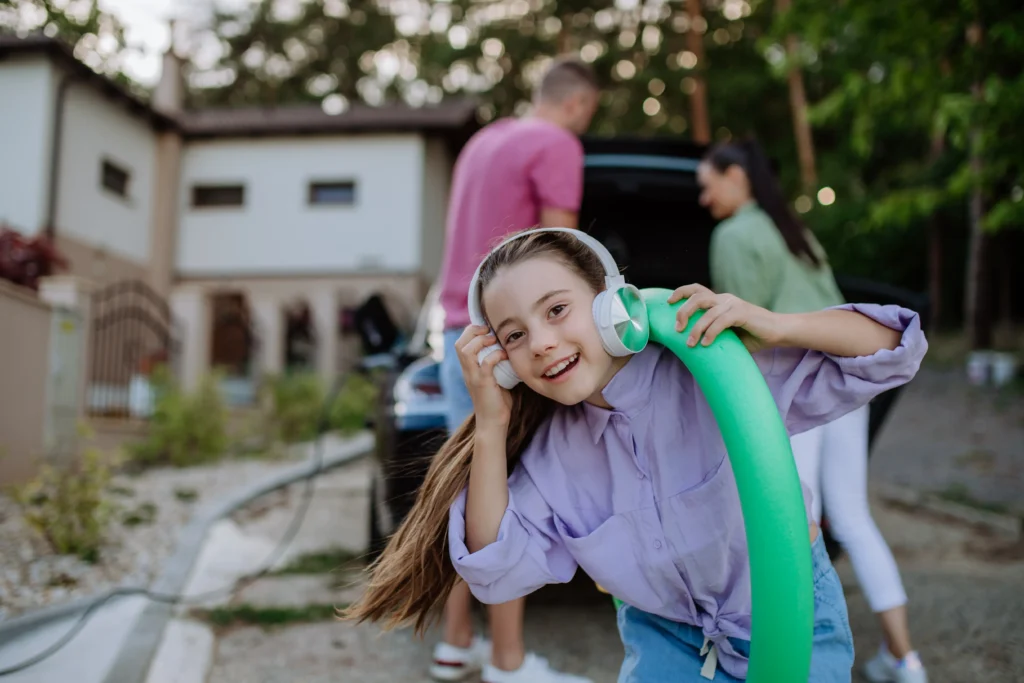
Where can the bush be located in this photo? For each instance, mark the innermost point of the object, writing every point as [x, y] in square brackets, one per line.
[24, 260]
[354, 404]
[295, 402]
[296, 405]
[184, 429]
[69, 506]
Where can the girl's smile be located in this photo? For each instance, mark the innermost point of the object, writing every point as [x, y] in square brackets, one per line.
[545, 323]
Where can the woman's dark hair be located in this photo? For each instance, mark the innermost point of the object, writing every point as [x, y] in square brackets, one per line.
[748, 155]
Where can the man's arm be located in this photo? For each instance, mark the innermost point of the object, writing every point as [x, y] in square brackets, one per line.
[551, 217]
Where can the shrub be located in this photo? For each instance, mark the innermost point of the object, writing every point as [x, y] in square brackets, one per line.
[24, 260]
[354, 404]
[184, 429]
[297, 401]
[68, 505]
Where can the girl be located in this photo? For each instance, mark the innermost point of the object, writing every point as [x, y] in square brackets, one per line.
[761, 253]
[616, 465]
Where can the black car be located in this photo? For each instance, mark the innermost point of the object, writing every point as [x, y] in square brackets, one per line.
[641, 201]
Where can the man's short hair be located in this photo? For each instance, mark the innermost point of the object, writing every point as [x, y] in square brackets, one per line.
[564, 77]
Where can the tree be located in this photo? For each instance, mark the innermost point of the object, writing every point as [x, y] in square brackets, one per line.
[96, 37]
[930, 109]
[325, 49]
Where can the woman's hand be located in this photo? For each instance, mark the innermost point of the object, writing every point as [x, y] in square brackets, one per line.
[757, 328]
[491, 403]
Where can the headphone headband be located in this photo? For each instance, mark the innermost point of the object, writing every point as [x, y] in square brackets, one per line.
[611, 270]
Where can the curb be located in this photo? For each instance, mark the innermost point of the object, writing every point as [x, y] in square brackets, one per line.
[132, 662]
[1005, 525]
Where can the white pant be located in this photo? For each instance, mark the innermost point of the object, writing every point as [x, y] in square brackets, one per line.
[832, 461]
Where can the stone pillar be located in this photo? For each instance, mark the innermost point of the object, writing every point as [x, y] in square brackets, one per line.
[164, 220]
[190, 308]
[324, 306]
[269, 321]
[74, 293]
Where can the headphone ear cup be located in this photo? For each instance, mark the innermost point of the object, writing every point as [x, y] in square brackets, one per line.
[503, 372]
[505, 375]
[621, 318]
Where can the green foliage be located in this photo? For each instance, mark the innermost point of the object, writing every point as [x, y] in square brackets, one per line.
[185, 429]
[296, 405]
[68, 504]
[97, 37]
[354, 404]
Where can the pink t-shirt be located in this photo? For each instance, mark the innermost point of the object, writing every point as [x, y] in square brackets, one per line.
[505, 175]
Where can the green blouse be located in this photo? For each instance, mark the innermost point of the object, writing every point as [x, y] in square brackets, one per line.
[750, 259]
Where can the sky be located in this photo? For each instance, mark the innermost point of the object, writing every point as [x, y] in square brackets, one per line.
[147, 27]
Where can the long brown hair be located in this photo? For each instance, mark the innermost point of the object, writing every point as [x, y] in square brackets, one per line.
[411, 580]
[750, 156]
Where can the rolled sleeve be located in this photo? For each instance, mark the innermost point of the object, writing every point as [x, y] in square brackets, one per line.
[526, 555]
[813, 388]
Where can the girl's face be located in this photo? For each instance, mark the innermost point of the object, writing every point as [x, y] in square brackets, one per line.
[541, 313]
[722, 193]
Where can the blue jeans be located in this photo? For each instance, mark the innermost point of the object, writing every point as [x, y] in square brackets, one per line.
[660, 650]
[453, 384]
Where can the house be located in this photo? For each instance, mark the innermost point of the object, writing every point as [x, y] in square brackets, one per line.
[236, 238]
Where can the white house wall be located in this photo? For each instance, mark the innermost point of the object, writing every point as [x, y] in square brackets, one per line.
[277, 231]
[436, 187]
[26, 105]
[98, 128]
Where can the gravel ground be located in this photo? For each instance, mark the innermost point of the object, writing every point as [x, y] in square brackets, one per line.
[31, 576]
[966, 609]
[944, 435]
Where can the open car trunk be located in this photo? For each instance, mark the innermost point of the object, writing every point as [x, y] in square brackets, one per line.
[641, 201]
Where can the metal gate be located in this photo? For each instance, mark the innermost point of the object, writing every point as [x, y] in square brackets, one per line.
[132, 334]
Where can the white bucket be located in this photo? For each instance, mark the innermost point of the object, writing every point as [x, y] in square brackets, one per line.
[1004, 368]
[978, 364]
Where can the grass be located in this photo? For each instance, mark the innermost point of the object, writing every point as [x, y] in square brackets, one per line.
[186, 495]
[266, 617]
[321, 562]
[958, 493]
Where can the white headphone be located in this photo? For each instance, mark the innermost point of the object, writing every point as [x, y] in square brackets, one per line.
[619, 311]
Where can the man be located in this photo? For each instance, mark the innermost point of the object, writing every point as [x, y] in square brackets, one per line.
[513, 174]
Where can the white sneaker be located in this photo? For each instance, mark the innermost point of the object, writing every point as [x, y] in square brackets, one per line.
[534, 670]
[456, 663]
[884, 668]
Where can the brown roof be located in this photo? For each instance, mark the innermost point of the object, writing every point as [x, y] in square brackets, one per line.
[311, 119]
[455, 115]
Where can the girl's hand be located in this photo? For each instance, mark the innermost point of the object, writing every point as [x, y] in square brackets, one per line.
[491, 403]
[756, 327]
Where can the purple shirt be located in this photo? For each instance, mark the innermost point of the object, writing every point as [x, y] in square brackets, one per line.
[505, 175]
[643, 498]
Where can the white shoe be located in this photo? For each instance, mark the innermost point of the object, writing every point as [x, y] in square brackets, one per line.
[884, 668]
[457, 663]
[534, 670]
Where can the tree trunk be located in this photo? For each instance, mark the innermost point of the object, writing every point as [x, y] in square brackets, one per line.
[935, 247]
[699, 99]
[798, 106]
[977, 305]
[977, 301]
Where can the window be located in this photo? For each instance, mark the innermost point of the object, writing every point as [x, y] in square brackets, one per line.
[343, 192]
[114, 178]
[218, 195]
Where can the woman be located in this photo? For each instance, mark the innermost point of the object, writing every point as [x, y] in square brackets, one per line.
[761, 253]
